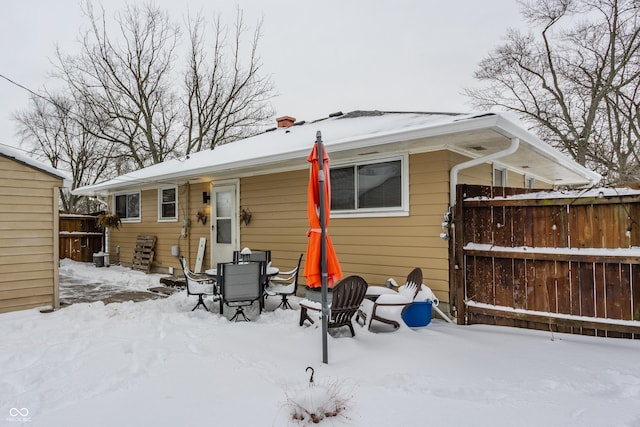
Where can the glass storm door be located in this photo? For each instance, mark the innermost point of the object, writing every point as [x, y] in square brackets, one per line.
[224, 225]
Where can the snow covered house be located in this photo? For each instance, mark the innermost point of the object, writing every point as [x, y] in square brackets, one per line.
[391, 174]
[28, 232]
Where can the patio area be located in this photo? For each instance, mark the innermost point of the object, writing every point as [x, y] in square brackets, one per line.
[74, 290]
[156, 362]
[85, 283]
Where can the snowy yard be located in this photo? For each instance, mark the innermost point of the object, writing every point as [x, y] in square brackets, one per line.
[157, 363]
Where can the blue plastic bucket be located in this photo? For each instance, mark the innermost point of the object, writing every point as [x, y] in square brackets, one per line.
[417, 314]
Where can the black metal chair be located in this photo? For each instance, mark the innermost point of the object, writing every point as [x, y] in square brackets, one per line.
[285, 284]
[199, 285]
[240, 286]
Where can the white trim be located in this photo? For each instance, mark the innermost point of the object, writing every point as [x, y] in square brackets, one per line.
[528, 178]
[529, 139]
[160, 190]
[362, 213]
[56, 247]
[505, 172]
[235, 238]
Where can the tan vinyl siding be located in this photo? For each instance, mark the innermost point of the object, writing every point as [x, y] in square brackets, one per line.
[375, 248]
[167, 233]
[383, 247]
[28, 236]
[197, 229]
[278, 204]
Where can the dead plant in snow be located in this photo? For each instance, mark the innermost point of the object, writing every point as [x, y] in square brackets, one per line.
[318, 401]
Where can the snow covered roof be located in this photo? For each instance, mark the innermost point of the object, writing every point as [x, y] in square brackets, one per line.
[12, 153]
[356, 134]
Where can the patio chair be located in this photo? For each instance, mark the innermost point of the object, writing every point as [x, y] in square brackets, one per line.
[347, 297]
[263, 256]
[387, 308]
[252, 255]
[240, 286]
[284, 285]
[199, 285]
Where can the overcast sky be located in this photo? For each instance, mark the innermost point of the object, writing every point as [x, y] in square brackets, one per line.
[323, 56]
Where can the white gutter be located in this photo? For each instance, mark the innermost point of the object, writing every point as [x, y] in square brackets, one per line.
[517, 134]
[453, 175]
[464, 123]
[514, 130]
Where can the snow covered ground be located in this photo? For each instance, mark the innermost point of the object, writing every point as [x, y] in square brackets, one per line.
[157, 363]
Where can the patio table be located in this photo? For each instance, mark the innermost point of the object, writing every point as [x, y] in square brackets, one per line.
[271, 271]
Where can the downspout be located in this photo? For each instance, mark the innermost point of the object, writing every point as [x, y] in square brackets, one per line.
[453, 175]
[453, 183]
[105, 232]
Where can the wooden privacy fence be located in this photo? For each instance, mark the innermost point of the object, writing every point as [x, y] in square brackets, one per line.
[567, 261]
[79, 237]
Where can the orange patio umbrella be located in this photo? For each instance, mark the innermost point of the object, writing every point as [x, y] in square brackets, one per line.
[321, 269]
[313, 262]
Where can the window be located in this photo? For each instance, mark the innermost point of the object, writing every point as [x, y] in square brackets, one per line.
[372, 187]
[168, 204]
[128, 206]
[529, 182]
[499, 176]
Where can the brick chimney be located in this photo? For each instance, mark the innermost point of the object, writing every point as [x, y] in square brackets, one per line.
[285, 121]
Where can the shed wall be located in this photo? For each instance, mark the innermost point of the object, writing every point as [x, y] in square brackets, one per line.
[28, 237]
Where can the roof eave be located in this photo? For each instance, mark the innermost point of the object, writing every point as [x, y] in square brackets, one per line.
[533, 142]
[494, 121]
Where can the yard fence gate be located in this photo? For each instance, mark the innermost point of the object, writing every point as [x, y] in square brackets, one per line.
[79, 237]
[566, 262]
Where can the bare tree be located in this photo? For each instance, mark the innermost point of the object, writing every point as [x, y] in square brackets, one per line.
[53, 128]
[120, 100]
[576, 81]
[125, 81]
[226, 97]
[128, 80]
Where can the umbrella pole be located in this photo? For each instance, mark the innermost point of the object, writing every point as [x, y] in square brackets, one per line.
[323, 249]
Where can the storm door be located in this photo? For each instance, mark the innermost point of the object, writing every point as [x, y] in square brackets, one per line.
[224, 224]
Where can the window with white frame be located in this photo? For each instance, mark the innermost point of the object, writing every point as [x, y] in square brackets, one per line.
[499, 176]
[128, 206]
[370, 187]
[168, 204]
[529, 182]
